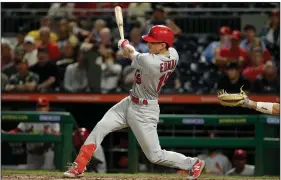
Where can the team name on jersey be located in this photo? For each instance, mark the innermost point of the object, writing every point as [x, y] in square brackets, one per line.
[168, 65]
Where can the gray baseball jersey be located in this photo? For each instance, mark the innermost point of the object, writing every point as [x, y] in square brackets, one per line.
[217, 164]
[152, 71]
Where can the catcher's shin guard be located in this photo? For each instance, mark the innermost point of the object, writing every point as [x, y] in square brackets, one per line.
[84, 156]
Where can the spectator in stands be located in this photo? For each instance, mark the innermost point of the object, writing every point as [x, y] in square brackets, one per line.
[105, 40]
[75, 78]
[135, 40]
[111, 71]
[65, 35]
[77, 30]
[128, 77]
[250, 35]
[136, 13]
[20, 38]
[208, 55]
[94, 35]
[47, 70]
[271, 33]
[104, 43]
[24, 80]
[240, 167]
[93, 61]
[18, 53]
[173, 84]
[11, 68]
[61, 10]
[53, 49]
[159, 18]
[67, 54]
[31, 52]
[87, 8]
[269, 82]
[216, 162]
[4, 81]
[6, 52]
[233, 53]
[136, 10]
[40, 156]
[45, 22]
[257, 67]
[257, 44]
[233, 80]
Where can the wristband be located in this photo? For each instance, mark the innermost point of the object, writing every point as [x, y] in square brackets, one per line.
[264, 107]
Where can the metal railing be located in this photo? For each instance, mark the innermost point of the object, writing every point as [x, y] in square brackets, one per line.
[191, 20]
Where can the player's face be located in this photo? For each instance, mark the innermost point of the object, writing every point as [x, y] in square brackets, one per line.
[156, 48]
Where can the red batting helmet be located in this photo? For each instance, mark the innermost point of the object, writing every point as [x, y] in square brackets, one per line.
[80, 136]
[42, 101]
[160, 33]
[240, 153]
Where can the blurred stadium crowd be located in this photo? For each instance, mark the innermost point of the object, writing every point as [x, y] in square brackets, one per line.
[66, 53]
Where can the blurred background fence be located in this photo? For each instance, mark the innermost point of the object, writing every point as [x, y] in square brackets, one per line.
[200, 20]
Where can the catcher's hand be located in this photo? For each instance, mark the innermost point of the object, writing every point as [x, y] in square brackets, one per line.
[234, 99]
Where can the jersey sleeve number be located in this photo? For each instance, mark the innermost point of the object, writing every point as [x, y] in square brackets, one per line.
[163, 80]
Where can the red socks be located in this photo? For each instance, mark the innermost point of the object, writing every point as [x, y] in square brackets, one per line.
[84, 156]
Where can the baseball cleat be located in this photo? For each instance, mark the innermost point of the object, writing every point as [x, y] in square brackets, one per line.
[72, 171]
[196, 170]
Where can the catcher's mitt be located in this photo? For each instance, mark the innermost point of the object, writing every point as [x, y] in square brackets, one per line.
[235, 99]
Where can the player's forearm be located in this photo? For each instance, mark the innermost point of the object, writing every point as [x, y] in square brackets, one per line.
[265, 107]
[132, 53]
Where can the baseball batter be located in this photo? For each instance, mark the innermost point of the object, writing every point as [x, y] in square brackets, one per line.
[140, 110]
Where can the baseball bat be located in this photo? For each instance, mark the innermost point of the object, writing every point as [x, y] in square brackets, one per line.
[119, 20]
